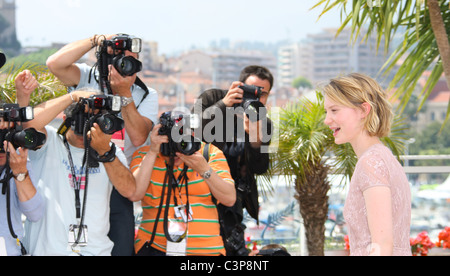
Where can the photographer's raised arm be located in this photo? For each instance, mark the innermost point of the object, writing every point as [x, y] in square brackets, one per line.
[62, 63]
[46, 112]
[119, 175]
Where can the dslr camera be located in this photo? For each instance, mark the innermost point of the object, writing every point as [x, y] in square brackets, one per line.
[125, 65]
[179, 140]
[100, 109]
[251, 104]
[16, 135]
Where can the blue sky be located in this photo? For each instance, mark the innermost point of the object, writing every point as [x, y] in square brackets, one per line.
[174, 24]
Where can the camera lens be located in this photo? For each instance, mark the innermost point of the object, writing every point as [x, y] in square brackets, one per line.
[127, 65]
[254, 110]
[188, 145]
[28, 138]
[109, 123]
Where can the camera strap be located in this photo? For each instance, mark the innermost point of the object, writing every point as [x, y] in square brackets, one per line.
[80, 212]
[173, 185]
[167, 184]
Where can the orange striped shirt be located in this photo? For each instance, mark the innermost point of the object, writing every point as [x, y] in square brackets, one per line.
[204, 230]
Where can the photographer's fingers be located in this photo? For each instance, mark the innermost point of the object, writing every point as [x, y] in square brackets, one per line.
[234, 95]
[156, 139]
[121, 85]
[100, 141]
[17, 161]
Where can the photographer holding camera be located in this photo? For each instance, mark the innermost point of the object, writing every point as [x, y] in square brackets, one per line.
[114, 73]
[243, 149]
[18, 194]
[179, 171]
[76, 189]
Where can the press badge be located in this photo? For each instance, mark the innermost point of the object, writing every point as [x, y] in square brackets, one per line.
[178, 234]
[73, 235]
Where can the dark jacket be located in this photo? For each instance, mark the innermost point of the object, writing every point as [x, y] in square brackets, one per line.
[245, 162]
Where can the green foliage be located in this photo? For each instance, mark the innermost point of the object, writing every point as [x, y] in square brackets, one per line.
[302, 82]
[35, 58]
[49, 86]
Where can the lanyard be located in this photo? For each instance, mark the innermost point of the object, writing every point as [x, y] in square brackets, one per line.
[77, 183]
[175, 184]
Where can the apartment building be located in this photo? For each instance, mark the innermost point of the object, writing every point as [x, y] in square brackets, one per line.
[323, 56]
[224, 67]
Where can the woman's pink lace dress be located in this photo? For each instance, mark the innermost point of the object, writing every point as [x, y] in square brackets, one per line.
[378, 167]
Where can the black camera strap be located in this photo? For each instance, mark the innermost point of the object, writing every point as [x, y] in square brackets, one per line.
[173, 185]
[169, 180]
[80, 212]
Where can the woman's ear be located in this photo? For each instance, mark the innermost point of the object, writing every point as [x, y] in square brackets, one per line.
[366, 108]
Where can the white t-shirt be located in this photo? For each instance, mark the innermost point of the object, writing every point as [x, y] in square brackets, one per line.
[147, 107]
[52, 176]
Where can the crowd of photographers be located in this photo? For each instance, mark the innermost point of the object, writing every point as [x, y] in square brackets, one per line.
[193, 173]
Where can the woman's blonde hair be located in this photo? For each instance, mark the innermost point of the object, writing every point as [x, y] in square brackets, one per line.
[355, 89]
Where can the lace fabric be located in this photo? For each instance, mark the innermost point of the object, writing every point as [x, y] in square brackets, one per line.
[378, 167]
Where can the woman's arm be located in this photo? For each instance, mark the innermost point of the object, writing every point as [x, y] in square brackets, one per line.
[379, 216]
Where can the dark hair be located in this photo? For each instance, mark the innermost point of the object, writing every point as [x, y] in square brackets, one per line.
[259, 71]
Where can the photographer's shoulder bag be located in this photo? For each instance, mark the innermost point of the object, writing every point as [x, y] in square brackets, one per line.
[231, 228]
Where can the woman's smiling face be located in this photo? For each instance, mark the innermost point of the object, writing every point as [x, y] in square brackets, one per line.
[345, 122]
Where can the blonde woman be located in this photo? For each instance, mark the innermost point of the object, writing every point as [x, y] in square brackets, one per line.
[378, 205]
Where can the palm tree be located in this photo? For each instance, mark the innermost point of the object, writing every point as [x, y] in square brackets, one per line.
[49, 86]
[425, 45]
[307, 155]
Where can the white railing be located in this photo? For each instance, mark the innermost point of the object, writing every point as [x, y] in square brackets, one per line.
[425, 169]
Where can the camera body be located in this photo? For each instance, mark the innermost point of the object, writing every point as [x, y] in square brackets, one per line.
[251, 104]
[125, 65]
[14, 113]
[179, 141]
[16, 135]
[100, 109]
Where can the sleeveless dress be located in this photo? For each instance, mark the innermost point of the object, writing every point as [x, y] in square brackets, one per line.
[378, 167]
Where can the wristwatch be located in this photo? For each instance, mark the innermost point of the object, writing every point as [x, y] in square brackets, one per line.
[21, 176]
[207, 174]
[126, 101]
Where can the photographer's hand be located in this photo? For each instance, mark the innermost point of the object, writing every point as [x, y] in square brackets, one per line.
[120, 85]
[25, 84]
[119, 175]
[143, 173]
[234, 95]
[18, 164]
[156, 140]
[195, 161]
[222, 190]
[137, 126]
[100, 141]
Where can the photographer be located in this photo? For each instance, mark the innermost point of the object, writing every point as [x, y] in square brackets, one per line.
[18, 195]
[76, 192]
[184, 181]
[140, 110]
[243, 150]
